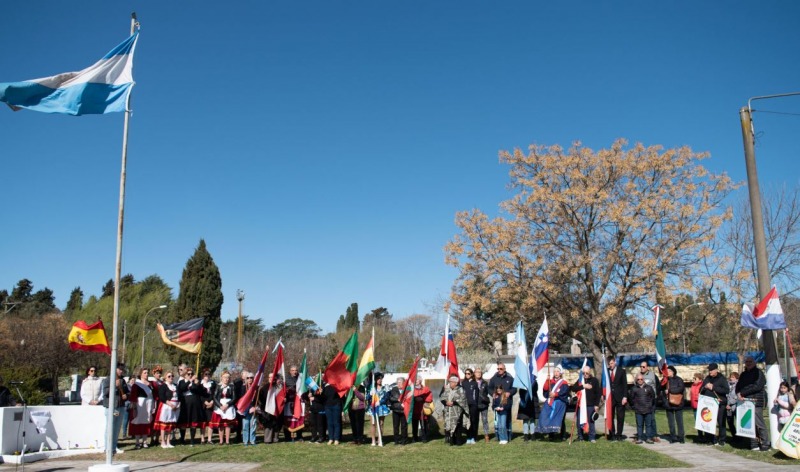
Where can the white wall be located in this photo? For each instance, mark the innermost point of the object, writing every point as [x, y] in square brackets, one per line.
[70, 426]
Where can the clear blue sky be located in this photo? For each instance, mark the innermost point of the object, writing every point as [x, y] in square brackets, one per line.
[322, 148]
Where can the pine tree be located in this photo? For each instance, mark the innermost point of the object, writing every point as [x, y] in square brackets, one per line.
[201, 295]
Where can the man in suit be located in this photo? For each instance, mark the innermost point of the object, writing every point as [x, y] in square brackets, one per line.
[619, 398]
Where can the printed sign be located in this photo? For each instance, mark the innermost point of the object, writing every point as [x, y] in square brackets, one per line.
[706, 419]
[745, 420]
[789, 440]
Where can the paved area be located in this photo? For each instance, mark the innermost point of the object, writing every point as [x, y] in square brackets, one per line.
[57, 465]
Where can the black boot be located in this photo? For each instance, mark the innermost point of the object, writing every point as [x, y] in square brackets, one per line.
[447, 438]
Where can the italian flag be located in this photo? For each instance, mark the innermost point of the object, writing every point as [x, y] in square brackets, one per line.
[341, 371]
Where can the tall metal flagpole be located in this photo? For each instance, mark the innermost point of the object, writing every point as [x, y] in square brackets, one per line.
[112, 377]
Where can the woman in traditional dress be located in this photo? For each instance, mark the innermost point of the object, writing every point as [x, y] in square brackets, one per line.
[455, 405]
[142, 408]
[379, 410]
[155, 385]
[168, 409]
[209, 387]
[192, 415]
[551, 419]
[224, 415]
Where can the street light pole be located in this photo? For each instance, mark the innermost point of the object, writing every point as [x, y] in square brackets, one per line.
[240, 328]
[159, 307]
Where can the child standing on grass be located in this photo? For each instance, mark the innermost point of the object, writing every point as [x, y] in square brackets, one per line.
[501, 408]
[784, 403]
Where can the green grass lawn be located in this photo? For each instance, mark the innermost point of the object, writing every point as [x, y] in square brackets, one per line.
[434, 455]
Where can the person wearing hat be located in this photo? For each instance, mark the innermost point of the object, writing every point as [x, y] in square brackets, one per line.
[716, 386]
[455, 406]
[551, 418]
[750, 387]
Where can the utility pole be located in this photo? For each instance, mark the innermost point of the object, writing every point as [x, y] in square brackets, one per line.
[240, 332]
[773, 370]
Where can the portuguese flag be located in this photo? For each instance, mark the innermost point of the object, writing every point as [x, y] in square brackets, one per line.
[91, 337]
[341, 372]
[364, 368]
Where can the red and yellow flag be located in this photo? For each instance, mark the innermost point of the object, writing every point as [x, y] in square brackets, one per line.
[91, 337]
[186, 335]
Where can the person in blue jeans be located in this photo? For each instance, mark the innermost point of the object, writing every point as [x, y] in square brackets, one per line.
[502, 408]
[333, 413]
[120, 393]
[249, 415]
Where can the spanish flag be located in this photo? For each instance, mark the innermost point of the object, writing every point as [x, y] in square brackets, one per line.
[91, 337]
[186, 335]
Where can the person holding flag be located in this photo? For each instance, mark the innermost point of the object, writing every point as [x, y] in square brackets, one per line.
[423, 409]
[399, 422]
[551, 419]
[619, 399]
[589, 394]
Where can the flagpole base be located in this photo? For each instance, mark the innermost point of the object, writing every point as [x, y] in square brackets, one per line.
[110, 468]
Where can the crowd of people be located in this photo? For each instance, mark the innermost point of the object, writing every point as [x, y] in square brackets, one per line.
[168, 408]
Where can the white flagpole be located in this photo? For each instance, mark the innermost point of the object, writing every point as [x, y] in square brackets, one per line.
[112, 376]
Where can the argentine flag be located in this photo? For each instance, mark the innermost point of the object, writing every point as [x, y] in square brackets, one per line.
[101, 88]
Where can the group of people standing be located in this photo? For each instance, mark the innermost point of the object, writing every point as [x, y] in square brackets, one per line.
[160, 404]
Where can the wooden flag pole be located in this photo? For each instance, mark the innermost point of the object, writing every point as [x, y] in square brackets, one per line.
[197, 364]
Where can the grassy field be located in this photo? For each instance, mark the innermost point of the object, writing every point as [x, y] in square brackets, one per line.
[434, 455]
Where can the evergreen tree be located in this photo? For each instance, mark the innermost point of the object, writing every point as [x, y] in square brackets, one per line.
[22, 292]
[201, 295]
[351, 321]
[75, 302]
[108, 289]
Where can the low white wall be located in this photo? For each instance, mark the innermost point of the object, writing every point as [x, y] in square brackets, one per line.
[70, 427]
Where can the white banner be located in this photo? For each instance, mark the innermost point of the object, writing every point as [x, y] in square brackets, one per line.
[745, 420]
[706, 419]
[789, 441]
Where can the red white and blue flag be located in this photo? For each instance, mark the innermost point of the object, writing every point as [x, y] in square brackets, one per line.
[447, 364]
[276, 395]
[540, 355]
[768, 314]
[606, 387]
[246, 401]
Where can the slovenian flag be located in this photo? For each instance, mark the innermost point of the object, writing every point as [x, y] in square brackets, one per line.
[768, 314]
[540, 355]
[101, 88]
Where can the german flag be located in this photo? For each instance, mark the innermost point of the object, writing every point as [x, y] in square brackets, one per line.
[186, 335]
[91, 337]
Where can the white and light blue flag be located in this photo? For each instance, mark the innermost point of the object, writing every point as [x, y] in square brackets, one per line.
[101, 88]
[522, 378]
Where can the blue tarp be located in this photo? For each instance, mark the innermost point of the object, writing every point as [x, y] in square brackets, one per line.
[633, 360]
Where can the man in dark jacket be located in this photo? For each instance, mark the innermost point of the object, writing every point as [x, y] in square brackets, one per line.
[750, 387]
[505, 380]
[591, 389]
[399, 423]
[641, 397]
[716, 386]
[619, 398]
[120, 392]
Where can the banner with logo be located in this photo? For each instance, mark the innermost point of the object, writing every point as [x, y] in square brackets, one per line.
[789, 440]
[706, 419]
[745, 420]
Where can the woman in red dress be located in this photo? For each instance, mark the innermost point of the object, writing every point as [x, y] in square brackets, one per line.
[155, 384]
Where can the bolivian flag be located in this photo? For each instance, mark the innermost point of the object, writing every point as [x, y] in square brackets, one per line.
[91, 337]
[186, 335]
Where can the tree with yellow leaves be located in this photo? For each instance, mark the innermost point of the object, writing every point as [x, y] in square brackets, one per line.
[589, 238]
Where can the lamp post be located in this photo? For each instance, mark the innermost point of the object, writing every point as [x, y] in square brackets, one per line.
[159, 307]
[683, 322]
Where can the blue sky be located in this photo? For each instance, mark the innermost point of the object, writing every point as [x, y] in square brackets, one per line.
[322, 148]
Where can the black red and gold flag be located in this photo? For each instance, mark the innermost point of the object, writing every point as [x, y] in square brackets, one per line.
[186, 335]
